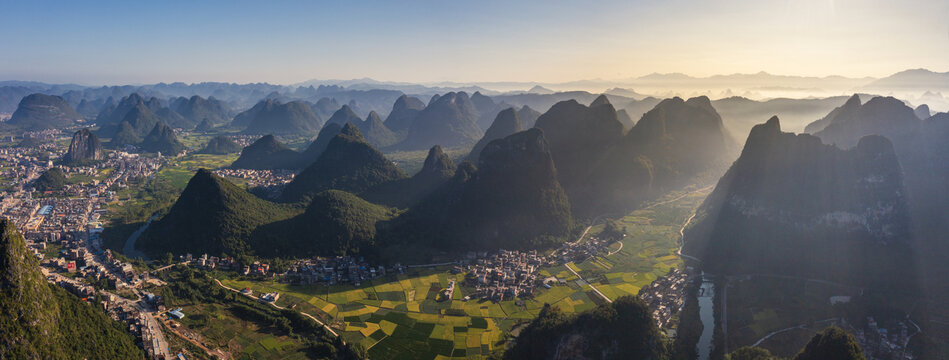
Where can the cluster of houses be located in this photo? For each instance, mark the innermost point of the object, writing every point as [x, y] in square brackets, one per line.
[578, 252]
[227, 263]
[52, 216]
[504, 275]
[336, 270]
[123, 310]
[258, 178]
[665, 296]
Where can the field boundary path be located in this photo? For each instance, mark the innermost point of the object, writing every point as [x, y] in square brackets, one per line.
[318, 321]
[597, 291]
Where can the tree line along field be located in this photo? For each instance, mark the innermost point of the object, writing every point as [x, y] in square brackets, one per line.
[398, 316]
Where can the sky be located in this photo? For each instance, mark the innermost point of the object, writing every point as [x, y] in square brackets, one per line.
[285, 42]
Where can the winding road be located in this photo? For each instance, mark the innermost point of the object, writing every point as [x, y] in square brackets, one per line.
[773, 333]
[617, 250]
[687, 222]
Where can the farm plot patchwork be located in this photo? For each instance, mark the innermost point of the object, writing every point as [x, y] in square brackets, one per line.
[398, 316]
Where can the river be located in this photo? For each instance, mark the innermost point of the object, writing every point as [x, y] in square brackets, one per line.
[707, 315]
[129, 248]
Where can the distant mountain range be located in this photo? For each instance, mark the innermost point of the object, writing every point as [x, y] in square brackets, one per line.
[243, 96]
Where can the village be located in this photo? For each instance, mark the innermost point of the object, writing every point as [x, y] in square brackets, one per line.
[665, 296]
[504, 275]
[580, 251]
[268, 180]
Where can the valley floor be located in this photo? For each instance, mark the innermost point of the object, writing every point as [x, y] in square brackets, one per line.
[398, 316]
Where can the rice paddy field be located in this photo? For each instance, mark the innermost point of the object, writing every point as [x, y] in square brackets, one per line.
[398, 316]
[182, 169]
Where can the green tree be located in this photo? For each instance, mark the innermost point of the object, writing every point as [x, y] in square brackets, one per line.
[750, 353]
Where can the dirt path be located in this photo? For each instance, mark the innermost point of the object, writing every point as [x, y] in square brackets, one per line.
[318, 321]
[221, 354]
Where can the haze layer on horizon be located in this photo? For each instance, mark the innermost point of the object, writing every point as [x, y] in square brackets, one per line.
[95, 43]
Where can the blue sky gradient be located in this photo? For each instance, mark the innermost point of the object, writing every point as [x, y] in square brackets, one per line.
[112, 42]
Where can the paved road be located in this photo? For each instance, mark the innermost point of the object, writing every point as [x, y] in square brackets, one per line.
[274, 304]
[682, 239]
[154, 329]
[918, 330]
[589, 283]
[592, 223]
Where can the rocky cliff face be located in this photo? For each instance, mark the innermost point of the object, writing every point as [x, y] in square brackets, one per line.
[792, 205]
[85, 147]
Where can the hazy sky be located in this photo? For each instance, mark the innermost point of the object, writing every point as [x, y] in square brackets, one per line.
[423, 41]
